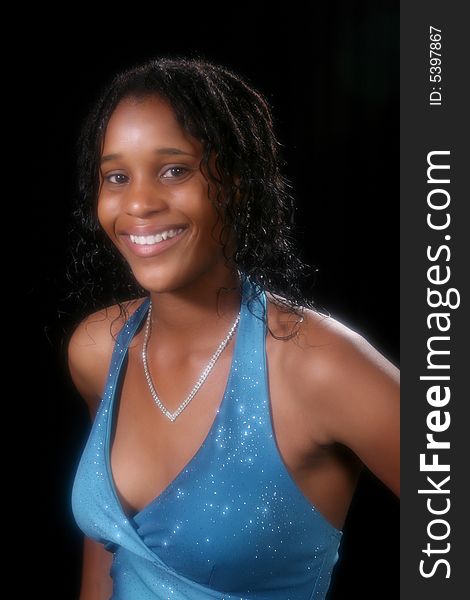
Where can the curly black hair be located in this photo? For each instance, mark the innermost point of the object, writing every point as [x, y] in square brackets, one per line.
[229, 117]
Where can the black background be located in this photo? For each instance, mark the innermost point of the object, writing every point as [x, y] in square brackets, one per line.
[331, 76]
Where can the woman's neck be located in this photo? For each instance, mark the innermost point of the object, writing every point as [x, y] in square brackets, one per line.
[190, 312]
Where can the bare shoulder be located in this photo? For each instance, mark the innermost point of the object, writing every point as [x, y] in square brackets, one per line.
[335, 367]
[311, 332]
[324, 343]
[346, 389]
[339, 347]
[90, 348]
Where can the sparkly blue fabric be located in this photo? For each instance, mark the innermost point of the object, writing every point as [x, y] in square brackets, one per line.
[233, 524]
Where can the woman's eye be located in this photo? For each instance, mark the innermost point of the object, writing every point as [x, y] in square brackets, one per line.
[116, 178]
[175, 172]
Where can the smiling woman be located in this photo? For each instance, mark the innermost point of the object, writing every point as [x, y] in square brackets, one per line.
[150, 163]
[215, 467]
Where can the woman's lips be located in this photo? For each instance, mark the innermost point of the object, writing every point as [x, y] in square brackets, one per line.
[148, 250]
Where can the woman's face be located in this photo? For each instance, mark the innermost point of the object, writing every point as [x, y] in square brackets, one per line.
[152, 189]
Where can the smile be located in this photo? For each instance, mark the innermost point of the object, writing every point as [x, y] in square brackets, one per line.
[147, 246]
[148, 240]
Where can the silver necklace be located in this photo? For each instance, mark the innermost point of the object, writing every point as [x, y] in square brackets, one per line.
[200, 381]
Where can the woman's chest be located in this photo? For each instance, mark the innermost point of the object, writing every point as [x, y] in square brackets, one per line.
[259, 419]
[210, 492]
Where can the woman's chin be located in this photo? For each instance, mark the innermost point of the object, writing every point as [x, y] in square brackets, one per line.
[172, 276]
[161, 279]
[156, 284]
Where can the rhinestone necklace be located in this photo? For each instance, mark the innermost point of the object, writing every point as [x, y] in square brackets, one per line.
[200, 381]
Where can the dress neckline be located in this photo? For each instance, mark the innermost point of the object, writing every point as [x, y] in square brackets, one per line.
[133, 325]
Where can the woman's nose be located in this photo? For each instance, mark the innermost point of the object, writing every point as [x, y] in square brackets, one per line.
[143, 198]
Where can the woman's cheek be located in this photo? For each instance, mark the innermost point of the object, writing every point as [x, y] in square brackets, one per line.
[106, 212]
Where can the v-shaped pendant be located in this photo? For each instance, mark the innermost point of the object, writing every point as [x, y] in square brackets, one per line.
[173, 415]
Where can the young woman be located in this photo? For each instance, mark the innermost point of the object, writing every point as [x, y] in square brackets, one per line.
[231, 418]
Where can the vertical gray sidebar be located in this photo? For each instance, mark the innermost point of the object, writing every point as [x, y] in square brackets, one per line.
[435, 314]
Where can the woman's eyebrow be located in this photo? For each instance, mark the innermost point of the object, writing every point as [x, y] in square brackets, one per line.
[109, 157]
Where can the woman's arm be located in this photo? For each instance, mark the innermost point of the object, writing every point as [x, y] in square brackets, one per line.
[364, 397]
[96, 581]
[358, 391]
[89, 353]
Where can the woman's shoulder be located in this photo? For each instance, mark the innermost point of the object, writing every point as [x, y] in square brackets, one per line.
[307, 327]
[91, 345]
[98, 330]
[346, 389]
[325, 349]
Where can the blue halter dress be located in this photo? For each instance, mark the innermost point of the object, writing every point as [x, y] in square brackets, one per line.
[233, 524]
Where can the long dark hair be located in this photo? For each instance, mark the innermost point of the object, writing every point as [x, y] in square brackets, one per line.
[253, 198]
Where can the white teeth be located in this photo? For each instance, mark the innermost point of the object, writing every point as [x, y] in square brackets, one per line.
[148, 240]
